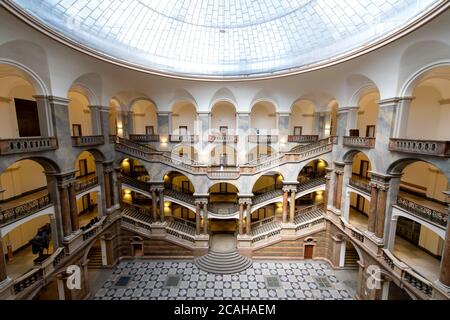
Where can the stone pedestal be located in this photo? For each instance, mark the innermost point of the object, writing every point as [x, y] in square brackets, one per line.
[288, 229]
[244, 241]
[158, 228]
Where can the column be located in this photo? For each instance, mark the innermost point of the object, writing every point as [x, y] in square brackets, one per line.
[119, 185]
[154, 205]
[197, 218]
[44, 116]
[130, 123]
[249, 219]
[73, 207]
[381, 211]
[373, 207]
[161, 205]
[285, 204]
[3, 273]
[392, 234]
[339, 178]
[65, 210]
[326, 196]
[444, 276]
[111, 184]
[335, 189]
[292, 206]
[107, 181]
[401, 119]
[205, 218]
[96, 120]
[241, 218]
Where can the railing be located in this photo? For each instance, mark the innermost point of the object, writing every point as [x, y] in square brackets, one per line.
[178, 194]
[357, 235]
[226, 173]
[315, 182]
[360, 184]
[310, 146]
[225, 211]
[262, 222]
[418, 282]
[59, 256]
[138, 224]
[185, 222]
[303, 139]
[183, 138]
[359, 142]
[305, 210]
[85, 184]
[269, 195]
[388, 259]
[267, 235]
[426, 213]
[87, 141]
[223, 138]
[26, 209]
[334, 139]
[144, 137]
[112, 138]
[28, 280]
[89, 233]
[23, 145]
[426, 147]
[141, 185]
[259, 138]
[143, 148]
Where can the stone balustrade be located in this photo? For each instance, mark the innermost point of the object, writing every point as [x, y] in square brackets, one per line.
[303, 138]
[183, 138]
[84, 184]
[26, 209]
[260, 138]
[359, 142]
[225, 174]
[430, 215]
[360, 184]
[223, 210]
[425, 147]
[112, 138]
[88, 141]
[143, 138]
[418, 282]
[223, 138]
[25, 145]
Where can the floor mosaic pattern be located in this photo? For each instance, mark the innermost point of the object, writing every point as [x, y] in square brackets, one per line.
[182, 280]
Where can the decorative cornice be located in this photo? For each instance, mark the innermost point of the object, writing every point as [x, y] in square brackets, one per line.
[444, 102]
[5, 99]
[54, 100]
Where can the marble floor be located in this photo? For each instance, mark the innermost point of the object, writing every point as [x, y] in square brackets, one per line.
[265, 280]
[423, 263]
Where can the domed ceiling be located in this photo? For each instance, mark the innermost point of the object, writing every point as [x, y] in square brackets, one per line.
[224, 38]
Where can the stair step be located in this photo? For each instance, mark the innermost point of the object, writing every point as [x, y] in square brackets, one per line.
[228, 262]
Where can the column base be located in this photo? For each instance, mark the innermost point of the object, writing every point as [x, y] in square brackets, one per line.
[337, 212]
[158, 228]
[202, 241]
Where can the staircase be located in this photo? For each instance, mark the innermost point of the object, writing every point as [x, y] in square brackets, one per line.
[95, 258]
[351, 258]
[227, 262]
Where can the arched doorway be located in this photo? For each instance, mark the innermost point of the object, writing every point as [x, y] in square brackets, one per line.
[79, 113]
[223, 203]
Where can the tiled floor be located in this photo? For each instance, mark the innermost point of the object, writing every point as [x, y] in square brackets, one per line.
[151, 280]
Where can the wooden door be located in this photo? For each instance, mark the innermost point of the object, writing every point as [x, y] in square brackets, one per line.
[364, 169]
[83, 167]
[309, 251]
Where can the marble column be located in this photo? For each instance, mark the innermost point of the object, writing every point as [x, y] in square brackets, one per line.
[44, 116]
[373, 208]
[241, 218]
[292, 206]
[108, 185]
[119, 185]
[249, 219]
[335, 189]
[339, 179]
[401, 118]
[130, 123]
[96, 120]
[65, 210]
[154, 205]
[161, 205]
[444, 276]
[285, 204]
[197, 218]
[205, 218]
[3, 273]
[392, 234]
[381, 211]
[326, 196]
[73, 208]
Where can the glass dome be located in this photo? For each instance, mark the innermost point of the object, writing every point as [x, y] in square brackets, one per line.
[224, 38]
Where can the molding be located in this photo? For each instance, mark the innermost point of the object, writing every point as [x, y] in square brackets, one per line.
[444, 102]
[54, 100]
[5, 99]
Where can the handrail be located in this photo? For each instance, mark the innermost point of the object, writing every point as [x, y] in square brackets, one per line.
[85, 184]
[360, 184]
[213, 208]
[25, 209]
[416, 146]
[424, 212]
[22, 145]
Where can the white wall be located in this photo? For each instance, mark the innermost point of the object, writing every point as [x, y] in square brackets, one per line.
[263, 117]
[79, 113]
[303, 116]
[21, 235]
[90, 160]
[367, 112]
[223, 114]
[184, 114]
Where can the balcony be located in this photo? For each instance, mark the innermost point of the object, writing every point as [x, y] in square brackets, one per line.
[425, 147]
[226, 173]
[24, 145]
[183, 138]
[262, 138]
[88, 141]
[222, 138]
[14, 211]
[142, 138]
[83, 184]
[303, 139]
[433, 215]
[359, 142]
[360, 184]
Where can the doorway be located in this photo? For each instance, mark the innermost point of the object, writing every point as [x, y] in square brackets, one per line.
[27, 118]
[309, 251]
[149, 130]
[83, 167]
[364, 169]
[76, 130]
[298, 131]
[370, 131]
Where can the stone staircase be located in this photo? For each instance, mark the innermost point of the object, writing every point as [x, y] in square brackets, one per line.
[182, 226]
[136, 213]
[226, 262]
[95, 258]
[351, 258]
[303, 217]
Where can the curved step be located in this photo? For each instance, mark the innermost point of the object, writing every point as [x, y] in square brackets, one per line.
[223, 262]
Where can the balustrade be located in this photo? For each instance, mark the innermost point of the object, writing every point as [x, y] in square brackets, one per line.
[144, 137]
[221, 138]
[28, 280]
[223, 210]
[24, 145]
[359, 142]
[26, 209]
[360, 184]
[259, 138]
[303, 139]
[88, 141]
[183, 138]
[84, 184]
[426, 213]
[418, 282]
[425, 147]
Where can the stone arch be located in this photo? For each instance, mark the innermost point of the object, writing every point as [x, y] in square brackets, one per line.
[223, 94]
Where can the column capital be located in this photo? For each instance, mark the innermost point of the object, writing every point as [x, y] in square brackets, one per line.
[393, 102]
[245, 201]
[156, 187]
[347, 109]
[53, 99]
[64, 179]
